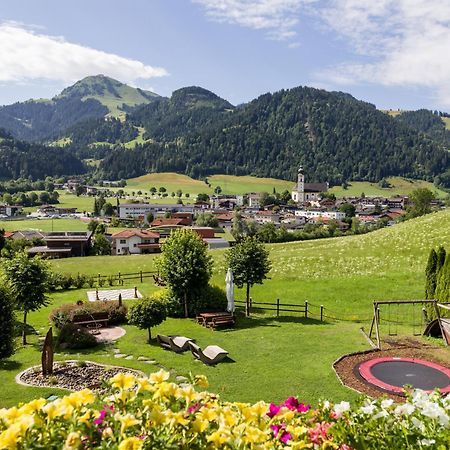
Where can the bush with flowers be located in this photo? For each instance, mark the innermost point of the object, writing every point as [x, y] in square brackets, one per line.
[153, 413]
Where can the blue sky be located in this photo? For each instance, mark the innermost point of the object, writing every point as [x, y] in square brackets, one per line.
[393, 53]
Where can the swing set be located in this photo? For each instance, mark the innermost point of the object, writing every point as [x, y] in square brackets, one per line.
[419, 318]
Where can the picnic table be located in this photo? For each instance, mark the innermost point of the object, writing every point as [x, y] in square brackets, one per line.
[216, 319]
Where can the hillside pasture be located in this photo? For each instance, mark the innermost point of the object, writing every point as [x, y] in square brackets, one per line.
[399, 186]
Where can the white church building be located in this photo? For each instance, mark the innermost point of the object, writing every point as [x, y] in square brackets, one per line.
[307, 192]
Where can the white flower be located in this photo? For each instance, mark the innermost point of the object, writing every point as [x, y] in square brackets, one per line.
[387, 403]
[382, 413]
[404, 409]
[427, 442]
[326, 404]
[341, 408]
[417, 423]
[368, 409]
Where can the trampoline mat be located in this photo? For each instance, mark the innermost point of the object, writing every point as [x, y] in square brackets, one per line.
[399, 373]
[392, 374]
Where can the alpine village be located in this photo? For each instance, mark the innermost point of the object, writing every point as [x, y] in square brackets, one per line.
[184, 271]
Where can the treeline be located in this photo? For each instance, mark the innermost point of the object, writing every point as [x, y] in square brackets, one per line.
[39, 120]
[108, 130]
[335, 137]
[25, 160]
[31, 198]
[429, 123]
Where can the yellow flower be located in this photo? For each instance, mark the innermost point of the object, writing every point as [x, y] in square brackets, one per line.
[123, 381]
[143, 385]
[73, 441]
[166, 390]
[199, 425]
[127, 421]
[88, 417]
[208, 414]
[253, 435]
[157, 417]
[33, 406]
[160, 376]
[10, 437]
[108, 433]
[187, 393]
[176, 418]
[132, 443]
[228, 418]
[201, 381]
[219, 437]
[260, 409]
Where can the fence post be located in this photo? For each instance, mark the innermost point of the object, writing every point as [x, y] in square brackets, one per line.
[321, 313]
[141, 275]
[118, 277]
[98, 277]
[306, 308]
[135, 292]
[278, 307]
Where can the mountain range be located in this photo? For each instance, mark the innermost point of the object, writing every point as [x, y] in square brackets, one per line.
[333, 135]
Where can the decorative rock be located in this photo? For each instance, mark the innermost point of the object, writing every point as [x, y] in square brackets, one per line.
[142, 358]
[120, 355]
[129, 357]
[180, 379]
[116, 350]
[151, 361]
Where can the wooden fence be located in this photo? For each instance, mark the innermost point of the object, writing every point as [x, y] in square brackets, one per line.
[121, 277]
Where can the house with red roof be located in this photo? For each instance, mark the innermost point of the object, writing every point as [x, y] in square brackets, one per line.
[135, 241]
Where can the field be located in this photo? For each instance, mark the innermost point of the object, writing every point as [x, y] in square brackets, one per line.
[272, 357]
[446, 120]
[399, 186]
[44, 225]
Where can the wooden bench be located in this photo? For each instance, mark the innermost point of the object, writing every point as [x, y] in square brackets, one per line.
[222, 321]
[94, 320]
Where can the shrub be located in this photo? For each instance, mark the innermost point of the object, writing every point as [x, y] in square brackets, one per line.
[79, 281]
[66, 282]
[111, 280]
[64, 314]
[75, 336]
[101, 281]
[147, 313]
[211, 298]
[7, 325]
[90, 281]
[54, 281]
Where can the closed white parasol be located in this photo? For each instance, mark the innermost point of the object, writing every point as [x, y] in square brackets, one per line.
[230, 291]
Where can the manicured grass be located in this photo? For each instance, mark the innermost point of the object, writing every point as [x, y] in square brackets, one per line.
[399, 186]
[272, 357]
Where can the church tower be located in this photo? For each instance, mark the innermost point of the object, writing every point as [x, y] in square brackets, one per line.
[298, 193]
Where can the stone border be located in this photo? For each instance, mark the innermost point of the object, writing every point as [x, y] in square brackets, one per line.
[22, 383]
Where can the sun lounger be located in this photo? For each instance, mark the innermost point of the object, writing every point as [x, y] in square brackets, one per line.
[176, 343]
[211, 355]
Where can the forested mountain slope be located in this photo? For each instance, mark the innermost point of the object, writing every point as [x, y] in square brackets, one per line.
[91, 98]
[22, 160]
[333, 135]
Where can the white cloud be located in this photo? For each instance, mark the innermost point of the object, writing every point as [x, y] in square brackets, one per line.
[277, 17]
[26, 54]
[407, 42]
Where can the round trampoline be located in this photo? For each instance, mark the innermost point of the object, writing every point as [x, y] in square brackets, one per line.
[391, 374]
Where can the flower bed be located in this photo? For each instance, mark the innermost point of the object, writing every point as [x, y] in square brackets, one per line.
[152, 413]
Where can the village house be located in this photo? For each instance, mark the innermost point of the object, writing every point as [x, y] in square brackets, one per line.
[135, 242]
[306, 192]
[317, 213]
[140, 211]
[51, 210]
[254, 199]
[262, 217]
[227, 201]
[64, 244]
[10, 210]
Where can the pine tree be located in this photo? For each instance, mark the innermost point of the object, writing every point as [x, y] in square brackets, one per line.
[443, 282]
[431, 273]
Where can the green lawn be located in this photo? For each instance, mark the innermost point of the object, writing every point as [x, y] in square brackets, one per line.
[272, 357]
[399, 186]
[44, 225]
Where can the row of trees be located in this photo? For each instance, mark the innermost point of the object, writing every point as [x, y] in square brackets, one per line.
[31, 198]
[437, 272]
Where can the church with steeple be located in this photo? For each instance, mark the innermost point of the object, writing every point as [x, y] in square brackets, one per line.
[307, 192]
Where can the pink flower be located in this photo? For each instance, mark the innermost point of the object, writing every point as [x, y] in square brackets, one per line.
[99, 420]
[276, 429]
[285, 437]
[194, 408]
[273, 410]
[319, 432]
[345, 447]
[293, 404]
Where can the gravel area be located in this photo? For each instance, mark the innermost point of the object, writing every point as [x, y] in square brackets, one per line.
[347, 366]
[72, 375]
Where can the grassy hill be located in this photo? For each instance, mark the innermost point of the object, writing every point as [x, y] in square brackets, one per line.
[109, 92]
[230, 184]
[399, 186]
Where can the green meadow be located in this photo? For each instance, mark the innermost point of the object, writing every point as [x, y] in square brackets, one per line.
[271, 357]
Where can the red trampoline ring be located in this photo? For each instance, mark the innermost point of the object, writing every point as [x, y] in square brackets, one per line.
[366, 369]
